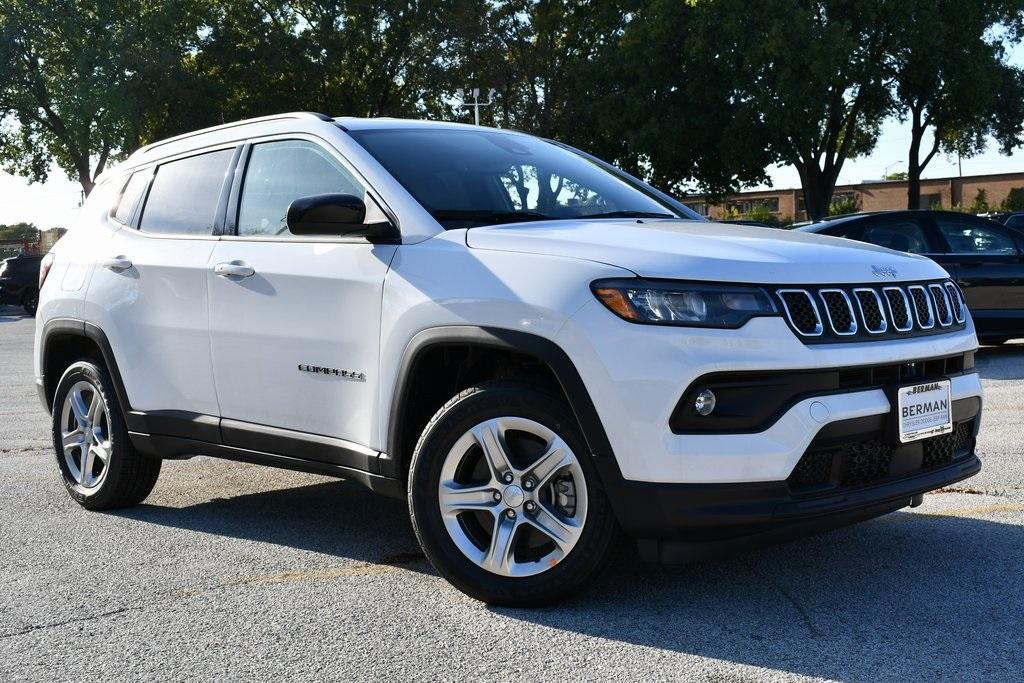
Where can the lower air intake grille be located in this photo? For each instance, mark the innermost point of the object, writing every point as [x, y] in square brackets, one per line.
[862, 463]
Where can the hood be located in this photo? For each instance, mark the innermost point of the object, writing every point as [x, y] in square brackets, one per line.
[692, 250]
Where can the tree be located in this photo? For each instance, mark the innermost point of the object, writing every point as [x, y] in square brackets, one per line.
[83, 79]
[17, 231]
[822, 82]
[980, 203]
[953, 80]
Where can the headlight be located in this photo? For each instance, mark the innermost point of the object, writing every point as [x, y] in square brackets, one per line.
[687, 304]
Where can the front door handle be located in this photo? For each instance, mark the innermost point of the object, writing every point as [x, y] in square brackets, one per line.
[234, 270]
[117, 263]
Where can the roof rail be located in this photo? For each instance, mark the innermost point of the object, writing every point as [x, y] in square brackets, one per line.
[273, 117]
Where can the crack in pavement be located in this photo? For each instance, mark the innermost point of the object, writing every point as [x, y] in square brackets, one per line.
[74, 620]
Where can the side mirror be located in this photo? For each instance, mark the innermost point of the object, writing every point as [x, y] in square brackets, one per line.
[335, 215]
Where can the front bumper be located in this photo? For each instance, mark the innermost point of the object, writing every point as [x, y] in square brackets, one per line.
[684, 522]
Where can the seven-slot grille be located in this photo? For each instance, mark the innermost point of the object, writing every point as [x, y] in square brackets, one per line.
[830, 314]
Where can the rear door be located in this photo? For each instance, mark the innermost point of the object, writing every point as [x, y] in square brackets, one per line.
[986, 260]
[149, 289]
[296, 328]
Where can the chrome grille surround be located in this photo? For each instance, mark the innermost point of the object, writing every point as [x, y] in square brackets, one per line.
[943, 307]
[833, 298]
[838, 313]
[791, 315]
[883, 325]
[957, 298]
[919, 302]
[907, 312]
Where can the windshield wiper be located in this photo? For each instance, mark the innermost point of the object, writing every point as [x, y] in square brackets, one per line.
[627, 214]
[493, 217]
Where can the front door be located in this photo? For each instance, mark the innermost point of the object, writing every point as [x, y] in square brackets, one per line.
[295, 321]
[986, 261]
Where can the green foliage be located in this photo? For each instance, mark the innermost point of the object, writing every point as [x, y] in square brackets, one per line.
[17, 231]
[843, 206]
[84, 80]
[980, 203]
[898, 175]
[1014, 200]
[962, 94]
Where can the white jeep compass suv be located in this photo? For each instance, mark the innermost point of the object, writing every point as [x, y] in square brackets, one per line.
[533, 347]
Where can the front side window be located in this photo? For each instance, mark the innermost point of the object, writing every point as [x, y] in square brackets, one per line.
[466, 178]
[185, 194]
[902, 236]
[965, 237]
[280, 172]
[130, 197]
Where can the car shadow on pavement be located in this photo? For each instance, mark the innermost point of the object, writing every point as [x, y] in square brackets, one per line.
[338, 518]
[12, 313]
[1001, 362]
[907, 596]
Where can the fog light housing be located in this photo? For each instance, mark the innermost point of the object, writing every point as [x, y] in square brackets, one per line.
[705, 402]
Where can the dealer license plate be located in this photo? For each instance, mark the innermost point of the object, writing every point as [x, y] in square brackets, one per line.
[924, 410]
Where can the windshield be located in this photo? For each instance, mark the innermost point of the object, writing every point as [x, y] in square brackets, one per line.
[466, 178]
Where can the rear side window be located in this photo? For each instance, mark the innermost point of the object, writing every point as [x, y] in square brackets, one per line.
[185, 194]
[277, 174]
[1016, 220]
[901, 235]
[131, 196]
[967, 237]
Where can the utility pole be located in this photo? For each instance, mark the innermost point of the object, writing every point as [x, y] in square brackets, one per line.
[476, 103]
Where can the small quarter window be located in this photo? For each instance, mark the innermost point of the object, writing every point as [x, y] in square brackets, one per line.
[131, 195]
[185, 193]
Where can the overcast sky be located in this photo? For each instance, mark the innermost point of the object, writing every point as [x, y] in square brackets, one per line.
[55, 202]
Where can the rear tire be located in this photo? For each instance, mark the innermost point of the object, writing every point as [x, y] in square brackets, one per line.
[98, 464]
[526, 521]
[30, 301]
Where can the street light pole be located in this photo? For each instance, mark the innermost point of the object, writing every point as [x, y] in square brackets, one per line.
[476, 103]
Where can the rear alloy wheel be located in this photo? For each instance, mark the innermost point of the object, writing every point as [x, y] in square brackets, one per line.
[100, 468]
[504, 499]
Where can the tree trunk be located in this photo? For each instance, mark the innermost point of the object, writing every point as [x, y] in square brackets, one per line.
[818, 189]
[914, 160]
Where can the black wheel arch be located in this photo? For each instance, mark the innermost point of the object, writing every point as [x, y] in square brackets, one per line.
[540, 348]
[66, 330]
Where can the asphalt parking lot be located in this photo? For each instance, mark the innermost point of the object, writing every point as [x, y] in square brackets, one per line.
[236, 571]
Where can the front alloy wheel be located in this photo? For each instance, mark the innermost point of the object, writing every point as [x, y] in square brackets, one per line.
[513, 520]
[502, 501]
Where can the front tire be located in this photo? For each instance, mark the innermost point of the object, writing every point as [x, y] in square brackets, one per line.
[504, 499]
[100, 468]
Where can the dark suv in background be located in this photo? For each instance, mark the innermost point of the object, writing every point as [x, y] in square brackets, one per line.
[19, 282]
[985, 258]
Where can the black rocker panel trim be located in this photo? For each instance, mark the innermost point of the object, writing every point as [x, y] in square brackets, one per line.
[540, 348]
[174, 446]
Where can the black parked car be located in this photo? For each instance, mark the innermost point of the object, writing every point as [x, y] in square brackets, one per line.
[19, 282]
[1013, 219]
[983, 256]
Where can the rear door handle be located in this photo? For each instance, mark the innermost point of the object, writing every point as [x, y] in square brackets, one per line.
[117, 263]
[234, 270]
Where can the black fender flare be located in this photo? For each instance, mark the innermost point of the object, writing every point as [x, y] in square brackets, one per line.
[533, 345]
[79, 328]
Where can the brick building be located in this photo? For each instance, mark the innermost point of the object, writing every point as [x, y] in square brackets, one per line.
[874, 195]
